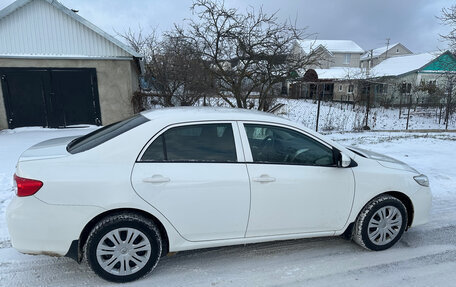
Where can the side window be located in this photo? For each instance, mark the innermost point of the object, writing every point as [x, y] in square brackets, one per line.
[205, 142]
[270, 144]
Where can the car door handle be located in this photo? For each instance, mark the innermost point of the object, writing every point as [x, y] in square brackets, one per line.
[264, 178]
[156, 179]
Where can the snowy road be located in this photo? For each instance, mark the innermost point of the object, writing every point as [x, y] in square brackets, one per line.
[426, 255]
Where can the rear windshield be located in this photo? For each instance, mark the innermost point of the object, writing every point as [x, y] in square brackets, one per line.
[104, 134]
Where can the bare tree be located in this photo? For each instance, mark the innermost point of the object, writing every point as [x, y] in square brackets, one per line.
[248, 54]
[448, 17]
[175, 74]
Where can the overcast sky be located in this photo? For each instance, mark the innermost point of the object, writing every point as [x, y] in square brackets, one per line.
[368, 22]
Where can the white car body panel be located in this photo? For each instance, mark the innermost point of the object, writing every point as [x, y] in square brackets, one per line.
[300, 199]
[79, 187]
[204, 201]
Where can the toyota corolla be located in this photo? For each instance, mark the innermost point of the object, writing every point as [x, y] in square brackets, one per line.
[187, 178]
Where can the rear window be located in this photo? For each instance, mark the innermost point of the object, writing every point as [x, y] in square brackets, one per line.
[200, 143]
[104, 134]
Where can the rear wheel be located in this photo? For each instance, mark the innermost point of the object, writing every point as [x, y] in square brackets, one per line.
[381, 223]
[123, 247]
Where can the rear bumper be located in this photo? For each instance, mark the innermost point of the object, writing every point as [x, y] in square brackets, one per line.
[36, 227]
[422, 202]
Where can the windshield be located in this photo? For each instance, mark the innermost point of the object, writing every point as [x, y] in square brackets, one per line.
[104, 134]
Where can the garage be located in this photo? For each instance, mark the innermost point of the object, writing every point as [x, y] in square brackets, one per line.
[58, 70]
[50, 97]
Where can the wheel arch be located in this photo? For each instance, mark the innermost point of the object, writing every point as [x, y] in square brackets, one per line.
[89, 226]
[397, 194]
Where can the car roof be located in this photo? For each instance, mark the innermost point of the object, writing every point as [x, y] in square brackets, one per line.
[178, 114]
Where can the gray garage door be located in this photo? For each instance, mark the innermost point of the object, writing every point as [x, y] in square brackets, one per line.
[50, 97]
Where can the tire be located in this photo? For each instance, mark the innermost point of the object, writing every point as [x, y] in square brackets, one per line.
[381, 223]
[123, 247]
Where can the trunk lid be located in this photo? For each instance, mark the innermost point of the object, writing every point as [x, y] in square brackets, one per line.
[52, 148]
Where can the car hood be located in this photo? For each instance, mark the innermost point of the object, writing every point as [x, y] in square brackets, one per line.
[383, 160]
[52, 148]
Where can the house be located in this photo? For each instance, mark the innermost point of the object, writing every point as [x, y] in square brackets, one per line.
[393, 81]
[375, 56]
[335, 53]
[58, 69]
[403, 76]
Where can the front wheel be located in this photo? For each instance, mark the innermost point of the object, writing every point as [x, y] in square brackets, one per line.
[381, 223]
[123, 247]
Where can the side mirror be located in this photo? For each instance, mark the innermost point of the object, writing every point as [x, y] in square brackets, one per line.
[345, 160]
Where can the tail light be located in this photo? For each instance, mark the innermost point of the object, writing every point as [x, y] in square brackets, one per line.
[27, 187]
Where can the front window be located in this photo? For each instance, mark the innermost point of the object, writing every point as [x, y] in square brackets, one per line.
[350, 88]
[271, 144]
[347, 58]
[194, 143]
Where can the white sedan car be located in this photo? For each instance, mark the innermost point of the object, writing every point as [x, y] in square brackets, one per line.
[188, 178]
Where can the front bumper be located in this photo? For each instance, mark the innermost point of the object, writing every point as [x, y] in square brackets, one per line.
[36, 227]
[422, 202]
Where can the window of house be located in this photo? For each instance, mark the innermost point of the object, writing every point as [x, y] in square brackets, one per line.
[347, 58]
[362, 64]
[406, 88]
[350, 88]
[397, 50]
[271, 144]
[201, 143]
[341, 88]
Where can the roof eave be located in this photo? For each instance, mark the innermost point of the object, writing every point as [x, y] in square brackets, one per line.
[19, 3]
[65, 57]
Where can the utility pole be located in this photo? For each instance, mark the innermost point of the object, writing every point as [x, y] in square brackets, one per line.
[366, 127]
[387, 47]
[371, 52]
[408, 113]
[318, 107]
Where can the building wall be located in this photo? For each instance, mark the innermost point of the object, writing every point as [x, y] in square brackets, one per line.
[344, 94]
[339, 60]
[117, 80]
[391, 53]
[394, 96]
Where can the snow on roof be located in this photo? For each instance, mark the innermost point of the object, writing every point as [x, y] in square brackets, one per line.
[333, 46]
[340, 73]
[377, 52]
[400, 65]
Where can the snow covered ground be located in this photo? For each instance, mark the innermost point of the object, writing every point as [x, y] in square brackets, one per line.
[344, 117]
[424, 257]
[336, 116]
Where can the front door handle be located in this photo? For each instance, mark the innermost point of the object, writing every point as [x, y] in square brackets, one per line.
[156, 179]
[264, 178]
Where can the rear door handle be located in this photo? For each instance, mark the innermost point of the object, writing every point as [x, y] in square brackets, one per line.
[264, 178]
[156, 179]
